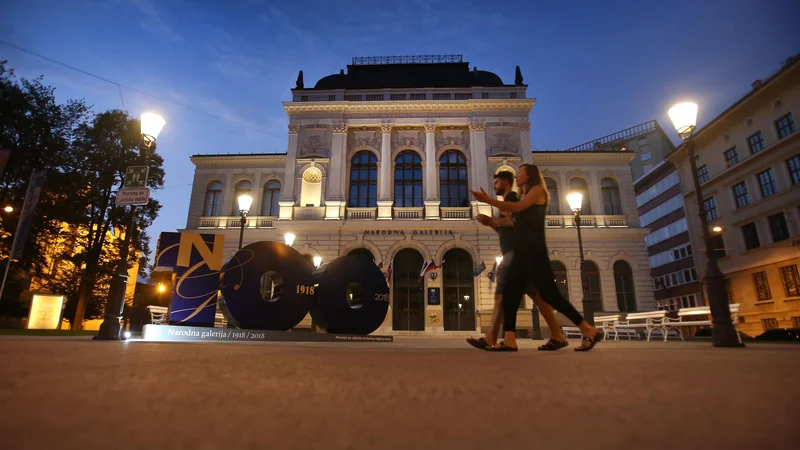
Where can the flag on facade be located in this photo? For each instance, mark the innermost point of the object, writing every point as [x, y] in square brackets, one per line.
[389, 275]
[424, 270]
[380, 265]
[26, 214]
[480, 269]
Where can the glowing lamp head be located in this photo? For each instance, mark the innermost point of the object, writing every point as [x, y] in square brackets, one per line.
[245, 201]
[684, 118]
[575, 200]
[499, 259]
[317, 261]
[716, 229]
[127, 335]
[288, 239]
[8, 209]
[161, 288]
[152, 124]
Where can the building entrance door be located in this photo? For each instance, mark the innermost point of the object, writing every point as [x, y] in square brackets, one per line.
[459, 297]
[408, 295]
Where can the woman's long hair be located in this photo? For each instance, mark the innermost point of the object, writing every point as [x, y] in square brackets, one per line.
[535, 178]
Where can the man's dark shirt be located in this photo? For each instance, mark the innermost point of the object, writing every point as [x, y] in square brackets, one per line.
[507, 233]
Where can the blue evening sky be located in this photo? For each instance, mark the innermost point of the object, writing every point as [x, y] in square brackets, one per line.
[595, 67]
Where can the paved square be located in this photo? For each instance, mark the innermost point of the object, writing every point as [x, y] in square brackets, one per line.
[415, 393]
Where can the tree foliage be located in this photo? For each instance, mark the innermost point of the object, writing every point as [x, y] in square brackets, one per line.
[85, 156]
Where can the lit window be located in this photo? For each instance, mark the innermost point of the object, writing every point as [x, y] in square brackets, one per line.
[646, 156]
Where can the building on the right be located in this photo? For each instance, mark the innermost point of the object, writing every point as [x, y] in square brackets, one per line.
[748, 164]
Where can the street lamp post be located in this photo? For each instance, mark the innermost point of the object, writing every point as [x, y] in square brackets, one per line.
[8, 209]
[244, 207]
[110, 328]
[575, 201]
[723, 334]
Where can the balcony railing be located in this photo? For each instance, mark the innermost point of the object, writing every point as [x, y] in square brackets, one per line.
[235, 222]
[455, 213]
[309, 212]
[587, 221]
[409, 213]
[361, 213]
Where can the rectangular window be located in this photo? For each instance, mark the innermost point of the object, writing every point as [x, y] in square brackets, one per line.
[664, 233]
[766, 180]
[718, 245]
[740, 193]
[484, 95]
[441, 96]
[646, 156]
[756, 142]
[769, 324]
[785, 126]
[791, 280]
[664, 184]
[762, 286]
[417, 96]
[793, 164]
[731, 157]
[374, 97]
[303, 98]
[397, 97]
[750, 234]
[778, 228]
[353, 98]
[512, 95]
[463, 95]
[711, 208]
[642, 142]
[796, 322]
[332, 97]
[702, 173]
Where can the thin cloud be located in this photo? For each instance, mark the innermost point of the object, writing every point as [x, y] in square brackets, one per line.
[153, 22]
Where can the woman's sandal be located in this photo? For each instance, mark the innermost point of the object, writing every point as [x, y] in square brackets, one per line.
[553, 345]
[592, 342]
[501, 347]
[480, 344]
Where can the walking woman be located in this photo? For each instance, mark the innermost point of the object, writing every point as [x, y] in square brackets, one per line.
[531, 261]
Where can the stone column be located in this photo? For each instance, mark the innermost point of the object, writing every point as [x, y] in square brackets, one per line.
[385, 174]
[287, 200]
[479, 159]
[525, 142]
[431, 186]
[334, 199]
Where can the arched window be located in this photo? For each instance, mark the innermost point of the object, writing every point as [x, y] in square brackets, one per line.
[560, 273]
[611, 202]
[213, 205]
[551, 185]
[362, 253]
[363, 180]
[311, 192]
[453, 187]
[408, 295]
[623, 279]
[591, 282]
[459, 299]
[269, 201]
[408, 180]
[242, 188]
[579, 185]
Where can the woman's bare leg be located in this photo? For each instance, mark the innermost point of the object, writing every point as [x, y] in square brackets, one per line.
[549, 315]
[497, 321]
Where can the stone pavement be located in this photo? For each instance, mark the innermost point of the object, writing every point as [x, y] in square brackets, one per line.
[415, 393]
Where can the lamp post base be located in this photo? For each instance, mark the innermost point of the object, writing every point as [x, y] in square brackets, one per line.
[109, 331]
[725, 335]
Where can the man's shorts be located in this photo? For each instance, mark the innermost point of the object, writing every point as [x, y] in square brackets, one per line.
[501, 276]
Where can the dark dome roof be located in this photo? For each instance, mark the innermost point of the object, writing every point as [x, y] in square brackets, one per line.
[437, 75]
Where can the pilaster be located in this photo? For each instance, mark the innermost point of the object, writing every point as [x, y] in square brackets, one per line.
[431, 186]
[385, 174]
[289, 178]
[334, 200]
[525, 142]
[480, 172]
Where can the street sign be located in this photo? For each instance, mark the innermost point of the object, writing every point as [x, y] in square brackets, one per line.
[136, 176]
[138, 196]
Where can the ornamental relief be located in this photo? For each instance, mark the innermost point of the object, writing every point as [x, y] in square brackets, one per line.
[502, 141]
[408, 136]
[452, 136]
[363, 137]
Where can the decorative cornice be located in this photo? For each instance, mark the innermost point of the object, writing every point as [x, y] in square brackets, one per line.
[474, 105]
[237, 160]
[525, 126]
[475, 125]
[430, 126]
[583, 157]
[294, 129]
[386, 127]
[339, 128]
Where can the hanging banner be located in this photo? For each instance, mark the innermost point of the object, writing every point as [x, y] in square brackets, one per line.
[26, 214]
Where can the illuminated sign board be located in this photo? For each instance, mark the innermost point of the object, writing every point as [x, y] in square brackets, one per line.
[45, 312]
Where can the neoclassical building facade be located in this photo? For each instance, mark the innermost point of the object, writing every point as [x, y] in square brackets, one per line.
[380, 161]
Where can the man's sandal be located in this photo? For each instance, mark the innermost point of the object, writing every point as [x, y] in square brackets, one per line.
[552, 345]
